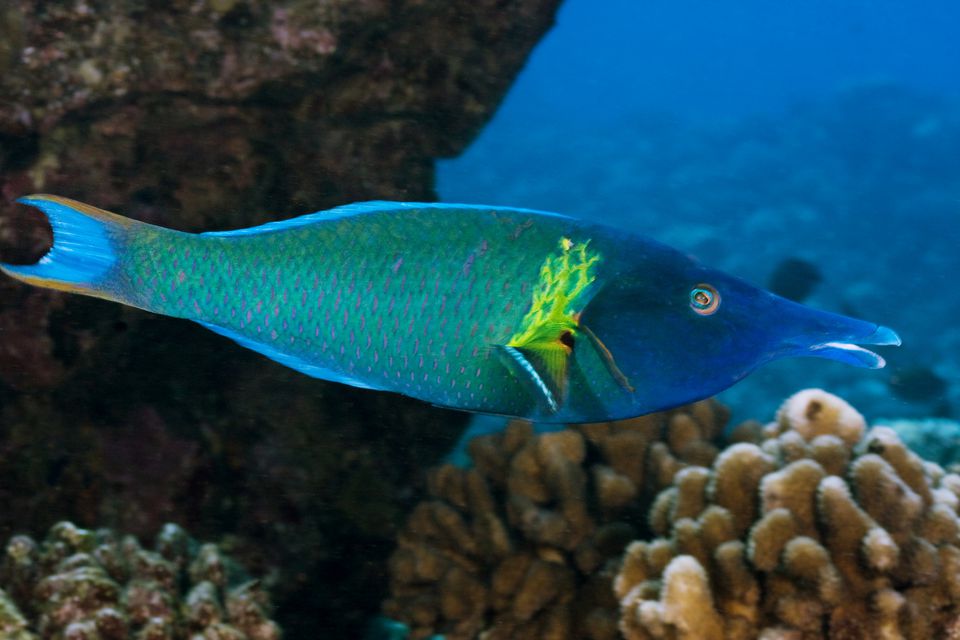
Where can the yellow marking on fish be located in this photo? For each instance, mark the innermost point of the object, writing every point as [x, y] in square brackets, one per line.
[564, 277]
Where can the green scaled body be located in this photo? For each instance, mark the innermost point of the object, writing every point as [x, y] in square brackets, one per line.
[415, 299]
[362, 299]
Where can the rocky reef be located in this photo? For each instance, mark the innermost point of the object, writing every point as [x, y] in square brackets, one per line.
[229, 109]
[97, 585]
[811, 527]
[205, 114]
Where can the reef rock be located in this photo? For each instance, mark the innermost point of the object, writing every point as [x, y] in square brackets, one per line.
[517, 547]
[216, 114]
[203, 114]
[817, 529]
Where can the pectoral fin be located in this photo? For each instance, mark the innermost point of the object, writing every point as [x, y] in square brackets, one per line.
[544, 367]
[542, 371]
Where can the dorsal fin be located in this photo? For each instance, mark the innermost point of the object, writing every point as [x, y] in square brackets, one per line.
[361, 208]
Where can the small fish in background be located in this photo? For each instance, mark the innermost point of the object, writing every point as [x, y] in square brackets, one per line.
[795, 279]
[920, 384]
[494, 310]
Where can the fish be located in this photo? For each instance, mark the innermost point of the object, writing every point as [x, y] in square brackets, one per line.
[918, 384]
[794, 279]
[488, 309]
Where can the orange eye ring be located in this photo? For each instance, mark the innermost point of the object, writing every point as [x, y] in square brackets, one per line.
[704, 299]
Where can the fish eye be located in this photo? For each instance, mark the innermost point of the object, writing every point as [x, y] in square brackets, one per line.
[704, 299]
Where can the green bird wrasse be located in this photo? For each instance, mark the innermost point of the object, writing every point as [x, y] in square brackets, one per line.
[487, 309]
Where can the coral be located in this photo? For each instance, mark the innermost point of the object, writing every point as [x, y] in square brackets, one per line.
[517, 546]
[93, 585]
[817, 529]
[814, 412]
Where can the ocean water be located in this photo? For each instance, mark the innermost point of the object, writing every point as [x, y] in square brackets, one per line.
[752, 132]
[743, 133]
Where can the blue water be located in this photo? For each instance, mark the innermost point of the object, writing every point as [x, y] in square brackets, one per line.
[748, 132]
[710, 60]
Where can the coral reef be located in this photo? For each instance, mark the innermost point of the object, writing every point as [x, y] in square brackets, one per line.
[812, 527]
[202, 114]
[934, 439]
[517, 546]
[94, 585]
[818, 528]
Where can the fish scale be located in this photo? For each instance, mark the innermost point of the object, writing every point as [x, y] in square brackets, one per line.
[489, 309]
[357, 296]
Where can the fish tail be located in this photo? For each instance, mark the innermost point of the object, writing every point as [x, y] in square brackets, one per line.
[84, 251]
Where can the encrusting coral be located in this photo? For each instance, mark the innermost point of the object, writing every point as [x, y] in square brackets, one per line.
[93, 585]
[517, 546]
[818, 528]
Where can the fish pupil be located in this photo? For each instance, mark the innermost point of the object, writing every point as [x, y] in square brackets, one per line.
[704, 299]
[566, 339]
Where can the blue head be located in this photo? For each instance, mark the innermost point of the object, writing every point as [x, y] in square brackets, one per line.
[680, 332]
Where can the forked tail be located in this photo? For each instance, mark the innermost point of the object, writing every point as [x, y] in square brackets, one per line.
[84, 252]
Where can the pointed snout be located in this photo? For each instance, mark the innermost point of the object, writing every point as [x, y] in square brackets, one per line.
[822, 334]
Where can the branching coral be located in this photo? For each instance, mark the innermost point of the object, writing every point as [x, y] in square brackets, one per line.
[92, 585]
[517, 546]
[819, 529]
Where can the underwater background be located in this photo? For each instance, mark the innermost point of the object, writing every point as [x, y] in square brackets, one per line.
[159, 482]
[752, 134]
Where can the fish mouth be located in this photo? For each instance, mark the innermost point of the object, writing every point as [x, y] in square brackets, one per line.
[852, 353]
[822, 334]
